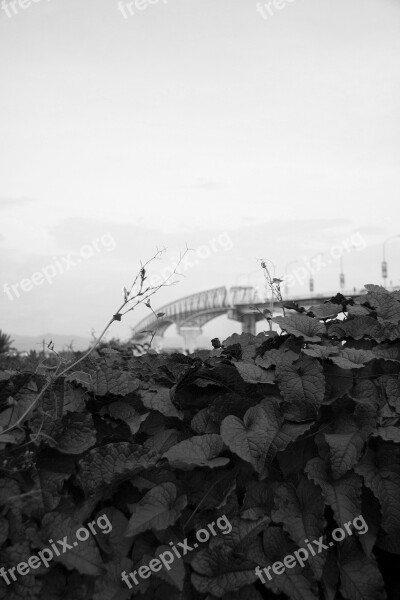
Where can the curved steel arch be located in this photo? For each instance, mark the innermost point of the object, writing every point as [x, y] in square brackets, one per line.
[203, 305]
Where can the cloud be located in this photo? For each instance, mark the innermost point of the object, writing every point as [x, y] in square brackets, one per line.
[205, 185]
[6, 203]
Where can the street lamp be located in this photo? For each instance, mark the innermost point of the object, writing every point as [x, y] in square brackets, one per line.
[384, 263]
[292, 262]
[341, 276]
[311, 282]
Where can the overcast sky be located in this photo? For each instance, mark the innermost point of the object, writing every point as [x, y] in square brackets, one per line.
[198, 122]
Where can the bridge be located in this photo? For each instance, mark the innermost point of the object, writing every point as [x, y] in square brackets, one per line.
[191, 313]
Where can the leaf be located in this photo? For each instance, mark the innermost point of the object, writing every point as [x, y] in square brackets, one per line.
[308, 328]
[110, 586]
[176, 574]
[85, 556]
[302, 382]
[326, 311]
[301, 512]
[114, 543]
[197, 451]
[113, 462]
[74, 398]
[254, 374]
[391, 385]
[158, 398]
[322, 352]
[203, 422]
[389, 434]
[342, 495]
[348, 440]
[105, 378]
[261, 434]
[350, 358]
[387, 352]
[360, 578]
[222, 567]
[292, 582]
[248, 343]
[386, 306]
[123, 411]
[356, 328]
[381, 474]
[51, 485]
[158, 509]
[78, 434]
[273, 357]
[365, 392]
[338, 382]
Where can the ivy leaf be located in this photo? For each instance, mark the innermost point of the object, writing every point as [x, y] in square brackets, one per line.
[357, 328]
[301, 512]
[176, 574]
[360, 578]
[390, 433]
[365, 392]
[348, 439]
[322, 352]
[338, 382]
[158, 398]
[308, 328]
[203, 422]
[223, 566]
[51, 485]
[254, 374]
[85, 556]
[158, 509]
[381, 474]
[112, 462]
[292, 582]
[326, 311]
[261, 434]
[197, 451]
[78, 434]
[105, 378]
[386, 306]
[387, 352]
[123, 411]
[342, 495]
[302, 382]
[115, 543]
[110, 586]
[273, 357]
[351, 358]
[391, 385]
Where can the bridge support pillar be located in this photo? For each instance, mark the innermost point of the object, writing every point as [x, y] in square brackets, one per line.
[190, 335]
[249, 323]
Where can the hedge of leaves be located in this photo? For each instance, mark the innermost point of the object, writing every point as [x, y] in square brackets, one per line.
[289, 436]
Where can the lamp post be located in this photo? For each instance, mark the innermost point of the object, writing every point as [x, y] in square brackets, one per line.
[384, 263]
[292, 262]
[342, 279]
[311, 281]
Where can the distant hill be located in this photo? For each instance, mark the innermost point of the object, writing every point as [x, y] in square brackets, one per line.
[61, 342]
[25, 342]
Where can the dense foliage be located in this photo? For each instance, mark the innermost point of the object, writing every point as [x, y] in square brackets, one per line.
[288, 435]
